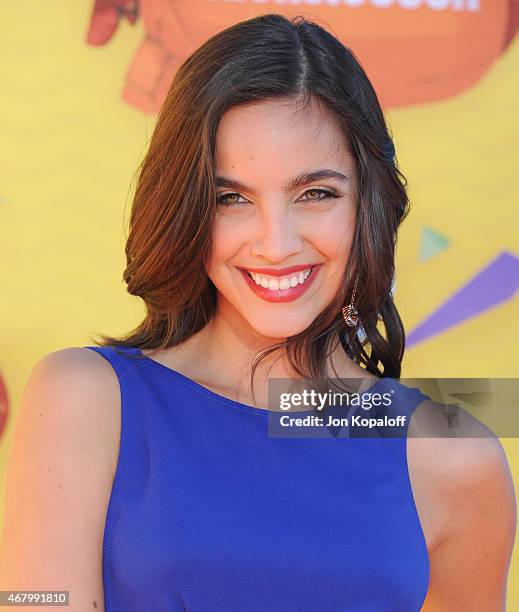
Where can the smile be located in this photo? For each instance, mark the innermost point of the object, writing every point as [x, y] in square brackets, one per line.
[283, 282]
[280, 288]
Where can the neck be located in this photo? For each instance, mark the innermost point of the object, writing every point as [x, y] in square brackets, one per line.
[229, 345]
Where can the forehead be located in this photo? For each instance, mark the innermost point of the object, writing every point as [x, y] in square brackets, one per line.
[279, 136]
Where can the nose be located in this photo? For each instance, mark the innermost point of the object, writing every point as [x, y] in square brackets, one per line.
[278, 236]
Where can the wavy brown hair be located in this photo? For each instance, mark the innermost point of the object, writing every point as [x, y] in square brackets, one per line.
[266, 58]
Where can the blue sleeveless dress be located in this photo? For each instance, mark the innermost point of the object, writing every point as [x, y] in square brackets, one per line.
[208, 513]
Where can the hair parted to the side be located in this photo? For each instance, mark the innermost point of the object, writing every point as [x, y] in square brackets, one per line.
[265, 58]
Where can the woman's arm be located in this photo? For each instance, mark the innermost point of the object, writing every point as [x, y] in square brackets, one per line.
[469, 567]
[59, 478]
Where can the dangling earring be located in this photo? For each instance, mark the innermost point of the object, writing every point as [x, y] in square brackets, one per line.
[350, 313]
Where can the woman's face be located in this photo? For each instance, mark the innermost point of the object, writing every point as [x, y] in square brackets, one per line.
[286, 189]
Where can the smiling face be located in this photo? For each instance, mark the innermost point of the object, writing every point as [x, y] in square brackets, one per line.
[286, 188]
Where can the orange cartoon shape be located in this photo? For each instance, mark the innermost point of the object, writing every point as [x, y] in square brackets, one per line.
[414, 51]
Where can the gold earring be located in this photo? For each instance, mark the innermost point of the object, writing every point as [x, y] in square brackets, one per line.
[350, 313]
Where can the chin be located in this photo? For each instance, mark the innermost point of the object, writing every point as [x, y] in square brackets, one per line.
[279, 330]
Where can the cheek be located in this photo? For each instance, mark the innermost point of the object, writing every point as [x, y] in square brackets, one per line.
[333, 237]
[226, 243]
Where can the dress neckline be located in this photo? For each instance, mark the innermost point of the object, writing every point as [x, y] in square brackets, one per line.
[227, 400]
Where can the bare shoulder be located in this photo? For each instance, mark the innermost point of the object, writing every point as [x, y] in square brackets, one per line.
[456, 448]
[465, 490]
[83, 393]
[60, 467]
[78, 363]
[74, 366]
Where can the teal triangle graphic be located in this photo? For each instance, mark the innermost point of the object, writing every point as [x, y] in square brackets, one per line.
[432, 243]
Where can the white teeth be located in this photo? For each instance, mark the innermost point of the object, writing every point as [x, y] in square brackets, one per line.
[280, 283]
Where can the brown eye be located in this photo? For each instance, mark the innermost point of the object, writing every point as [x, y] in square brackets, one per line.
[316, 195]
[228, 199]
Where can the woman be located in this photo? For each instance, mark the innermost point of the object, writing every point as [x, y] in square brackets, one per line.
[262, 241]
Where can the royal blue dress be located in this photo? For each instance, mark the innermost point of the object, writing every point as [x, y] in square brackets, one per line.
[208, 513]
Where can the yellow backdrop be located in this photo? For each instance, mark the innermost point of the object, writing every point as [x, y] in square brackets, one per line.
[71, 144]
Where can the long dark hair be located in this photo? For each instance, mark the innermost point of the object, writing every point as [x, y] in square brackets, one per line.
[265, 58]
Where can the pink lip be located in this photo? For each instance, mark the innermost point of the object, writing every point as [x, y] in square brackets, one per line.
[282, 295]
[281, 271]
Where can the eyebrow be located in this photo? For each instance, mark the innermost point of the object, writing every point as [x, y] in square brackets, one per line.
[298, 181]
